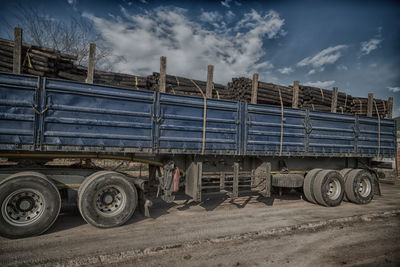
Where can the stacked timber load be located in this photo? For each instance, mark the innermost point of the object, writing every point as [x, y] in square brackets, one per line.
[360, 107]
[79, 74]
[39, 61]
[267, 93]
[185, 86]
[319, 99]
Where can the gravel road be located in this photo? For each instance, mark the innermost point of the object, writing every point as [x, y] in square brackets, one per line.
[247, 231]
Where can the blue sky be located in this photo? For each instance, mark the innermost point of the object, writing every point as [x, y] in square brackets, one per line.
[353, 45]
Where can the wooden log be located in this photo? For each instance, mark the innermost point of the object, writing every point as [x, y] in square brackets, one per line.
[163, 74]
[390, 107]
[370, 104]
[92, 55]
[295, 99]
[209, 86]
[254, 89]
[334, 100]
[17, 56]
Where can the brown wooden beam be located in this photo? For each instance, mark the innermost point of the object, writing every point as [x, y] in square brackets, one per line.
[370, 104]
[209, 86]
[91, 63]
[254, 90]
[390, 107]
[163, 74]
[295, 99]
[334, 99]
[17, 54]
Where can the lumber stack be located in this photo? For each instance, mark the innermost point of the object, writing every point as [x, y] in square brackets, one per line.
[40, 61]
[360, 107]
[185, 86]
[268, 93]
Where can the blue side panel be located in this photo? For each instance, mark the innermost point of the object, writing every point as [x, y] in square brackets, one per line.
[263, 131]
[181, 125]
[18, 95]
[95, 118]
[331, 133]
[372, 130]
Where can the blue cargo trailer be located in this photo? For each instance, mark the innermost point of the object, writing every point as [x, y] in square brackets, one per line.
[210, 146]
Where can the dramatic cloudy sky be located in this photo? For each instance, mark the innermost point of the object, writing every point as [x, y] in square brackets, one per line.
[353, 45]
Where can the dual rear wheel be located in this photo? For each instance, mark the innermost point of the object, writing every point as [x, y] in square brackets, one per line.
[329, 187]
[30, 202]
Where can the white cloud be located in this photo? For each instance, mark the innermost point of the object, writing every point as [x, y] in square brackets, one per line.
[143, 1]
[369, 46]
[285, 70]
[312, 71]
[238, 3]
[320, 84]
[327, 56]
[210, 17]
[71, 2]
[138, 42]
[394, 89]
[229, 15]
[342, 67]
[225, 3]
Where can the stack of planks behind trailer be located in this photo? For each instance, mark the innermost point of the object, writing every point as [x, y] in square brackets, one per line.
[51, 63]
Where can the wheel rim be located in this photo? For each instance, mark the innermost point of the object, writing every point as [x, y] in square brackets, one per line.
[110, 200]
[23, 207]
[364, 187]
[334, 189]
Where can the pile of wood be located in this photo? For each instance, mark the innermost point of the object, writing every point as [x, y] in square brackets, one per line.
[185, 86]
[360, 107]
[36, 60]
[268, 93]
[46, 62]
[321, 99]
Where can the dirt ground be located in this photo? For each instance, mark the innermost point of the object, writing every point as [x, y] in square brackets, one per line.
[249, 231]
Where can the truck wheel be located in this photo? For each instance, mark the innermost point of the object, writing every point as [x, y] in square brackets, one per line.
[107, 199]
[308, 185]
[344, 173]
[30, 204]
[328, 188]
[359, 186]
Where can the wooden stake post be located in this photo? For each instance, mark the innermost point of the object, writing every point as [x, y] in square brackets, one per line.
[334, 100]
[92, 55]
[163, 74]
[209, 85]
[390, 107]
[17, 53]
[295, 99]
[370, 104]
[254, 90]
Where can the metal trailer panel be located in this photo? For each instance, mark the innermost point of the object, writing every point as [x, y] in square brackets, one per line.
[18, 119]
[85, 117]
[59, 116]
[180, 125]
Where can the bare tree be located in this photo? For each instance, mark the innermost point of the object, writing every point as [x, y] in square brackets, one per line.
[72, 36]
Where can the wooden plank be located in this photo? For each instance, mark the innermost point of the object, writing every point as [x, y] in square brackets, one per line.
[295, 99]
[222, 181]
[390, 107]
[334, 100]
[163, 74]
[235, 179]
[209, 86]
[268, 179]
[369, 105]
[92, 54]
[17, 53]
[254, 90]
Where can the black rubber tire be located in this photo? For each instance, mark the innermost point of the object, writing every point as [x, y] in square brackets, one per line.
[87, 198]
[352, 186]
[52, 202]
[308, 185]
[321, 184]
[344, 173]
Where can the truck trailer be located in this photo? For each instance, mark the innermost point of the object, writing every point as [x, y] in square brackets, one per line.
[206, 146]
